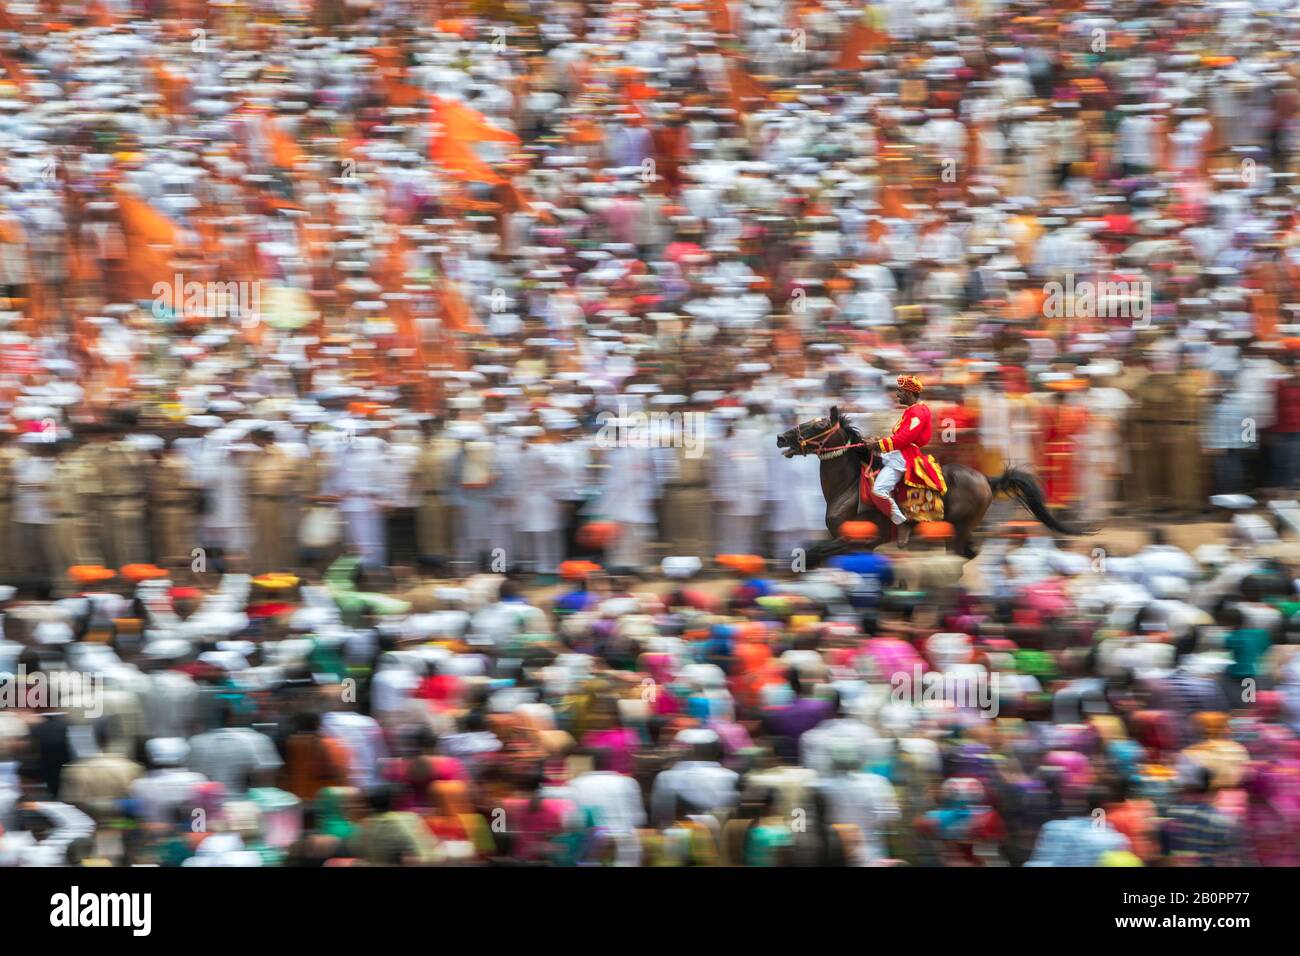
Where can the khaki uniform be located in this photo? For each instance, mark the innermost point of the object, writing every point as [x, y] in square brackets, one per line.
[273, 490]
[1165, 444]
[313, 476]
[435, 517]
[122, 504]
[79, 509]
[687, 508]
[71, 538]
[99, 783]
[1182, 444]
[9, 564]
[1142, 490]
[173, 497]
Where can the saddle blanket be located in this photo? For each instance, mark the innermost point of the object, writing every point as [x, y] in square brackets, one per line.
[919, 504]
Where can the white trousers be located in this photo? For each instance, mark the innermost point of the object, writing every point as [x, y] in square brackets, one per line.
[475, 538]
[787, 542]
[365, 531]
[541, 550]
[737, 534]
[892, 468]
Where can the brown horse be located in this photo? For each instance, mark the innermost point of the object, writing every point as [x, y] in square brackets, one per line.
[969, 492]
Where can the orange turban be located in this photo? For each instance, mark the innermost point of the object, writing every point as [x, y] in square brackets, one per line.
[910, 383]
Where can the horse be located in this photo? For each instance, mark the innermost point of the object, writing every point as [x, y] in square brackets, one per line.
[843, 451]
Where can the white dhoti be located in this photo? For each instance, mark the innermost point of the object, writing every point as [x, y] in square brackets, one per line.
[892, 468]
[475, 539]
[787, 544]
[738, 534]
[541, 550]
[629, 548]
[365, 531]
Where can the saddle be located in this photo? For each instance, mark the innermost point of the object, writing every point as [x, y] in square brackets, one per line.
[918, 504]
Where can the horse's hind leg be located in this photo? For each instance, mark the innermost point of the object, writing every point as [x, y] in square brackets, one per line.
[962, 540]
[963, 543]
[823, 550]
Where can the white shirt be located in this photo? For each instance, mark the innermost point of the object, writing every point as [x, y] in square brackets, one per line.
[364, 741]
[866, 801]
[227, 755]
[816, 745]
[399, 472]
[391, 688]
[32, 475]
[67, 823]
[612, 798]
[158, 794]
[707, 785]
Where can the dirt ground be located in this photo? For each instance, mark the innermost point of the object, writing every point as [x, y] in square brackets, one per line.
[1120, 536]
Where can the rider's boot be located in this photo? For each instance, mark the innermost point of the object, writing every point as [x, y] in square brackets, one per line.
[903, 534]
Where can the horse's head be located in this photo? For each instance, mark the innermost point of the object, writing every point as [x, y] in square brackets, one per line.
[810, 437]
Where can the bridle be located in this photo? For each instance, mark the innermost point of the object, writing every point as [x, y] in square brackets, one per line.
[817, 443]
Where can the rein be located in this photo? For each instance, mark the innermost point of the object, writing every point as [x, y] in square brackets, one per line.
[816, 443]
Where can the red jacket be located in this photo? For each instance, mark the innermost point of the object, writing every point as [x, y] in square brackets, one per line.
[910, 435]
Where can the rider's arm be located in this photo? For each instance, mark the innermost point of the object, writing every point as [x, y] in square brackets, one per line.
[908, 432]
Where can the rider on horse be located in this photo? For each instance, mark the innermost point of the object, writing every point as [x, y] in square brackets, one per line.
[901, 457]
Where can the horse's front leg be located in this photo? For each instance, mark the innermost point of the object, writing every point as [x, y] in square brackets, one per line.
[844, 508]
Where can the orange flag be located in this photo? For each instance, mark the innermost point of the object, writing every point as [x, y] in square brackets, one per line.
[171, 86]
[284, 151]
[151, 240]
[456, 314]
[392, 73]
[743, 86]
[719, 17]
[858, 39]
[892, 202]
[99, 15]
[465, 124]
[456, 128]
[460, 160]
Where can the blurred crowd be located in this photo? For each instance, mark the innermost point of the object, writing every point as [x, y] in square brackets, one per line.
[305, 302]
[1070, 710]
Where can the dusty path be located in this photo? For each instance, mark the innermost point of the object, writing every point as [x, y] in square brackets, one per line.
[1120, 537]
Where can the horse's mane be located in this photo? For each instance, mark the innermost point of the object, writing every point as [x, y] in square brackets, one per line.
[853, 435]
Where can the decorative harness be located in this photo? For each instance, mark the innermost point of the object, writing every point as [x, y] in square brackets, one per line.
[817, 444]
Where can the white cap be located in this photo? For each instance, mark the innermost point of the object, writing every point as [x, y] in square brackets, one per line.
[682, 566]
[167, 751]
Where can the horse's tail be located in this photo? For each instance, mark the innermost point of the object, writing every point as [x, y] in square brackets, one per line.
[1020, 485]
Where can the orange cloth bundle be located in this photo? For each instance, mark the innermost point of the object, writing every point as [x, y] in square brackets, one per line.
[135, 573]
[742, 563]
[934, 530]
[90, 573]
[859, 530]
[577, 570]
